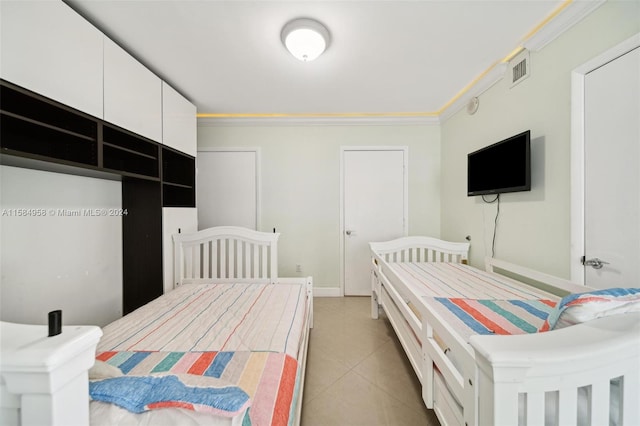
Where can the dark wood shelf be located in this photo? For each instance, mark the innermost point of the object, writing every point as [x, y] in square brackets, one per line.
[33, 126]
[130, 174]
[176, 196]
[178, 178]
[178, 185]
[130, 151]
[48, 126]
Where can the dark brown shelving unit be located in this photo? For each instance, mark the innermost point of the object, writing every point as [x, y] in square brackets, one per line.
[178, 179]
[126, 152]
[32, 126]
[37, 132]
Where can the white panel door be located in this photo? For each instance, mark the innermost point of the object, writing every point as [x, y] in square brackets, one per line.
[612, 173]
[227, 188]
[374, 190]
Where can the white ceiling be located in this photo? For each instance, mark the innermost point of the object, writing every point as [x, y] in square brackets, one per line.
[385, 57]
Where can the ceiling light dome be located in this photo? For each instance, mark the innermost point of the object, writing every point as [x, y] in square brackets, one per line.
[305, 38]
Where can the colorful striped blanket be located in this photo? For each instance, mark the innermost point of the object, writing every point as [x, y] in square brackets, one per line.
[488, 316]
[268, 380]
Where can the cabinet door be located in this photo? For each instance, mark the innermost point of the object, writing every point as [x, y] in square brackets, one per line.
[175, 220]
[48, 48]
[179, 122]
[132, 93]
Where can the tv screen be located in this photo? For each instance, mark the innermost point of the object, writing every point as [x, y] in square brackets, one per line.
[502, 167]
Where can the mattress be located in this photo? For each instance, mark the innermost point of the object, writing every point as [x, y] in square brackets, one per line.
[214, 317]
[457, 280]
[245, 337]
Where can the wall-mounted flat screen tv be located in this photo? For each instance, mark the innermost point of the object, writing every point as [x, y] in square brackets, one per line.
[502, 167]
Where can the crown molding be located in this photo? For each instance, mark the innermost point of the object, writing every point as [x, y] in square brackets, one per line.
[481, 85]
[563, 18]
[382, 120]
[566, 18]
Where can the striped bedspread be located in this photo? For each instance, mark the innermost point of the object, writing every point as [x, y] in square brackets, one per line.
[483, 316]
[214, 317]
[268, 378]
[428, 279]
[246, 334]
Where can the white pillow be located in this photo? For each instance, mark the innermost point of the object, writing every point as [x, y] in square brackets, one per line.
[581, 307]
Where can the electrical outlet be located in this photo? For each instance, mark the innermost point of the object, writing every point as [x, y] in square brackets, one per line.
[298, 268]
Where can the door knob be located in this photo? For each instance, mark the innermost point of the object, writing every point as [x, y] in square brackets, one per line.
[349, 232]
[595, 263]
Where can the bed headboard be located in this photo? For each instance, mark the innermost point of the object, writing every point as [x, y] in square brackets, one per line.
[421, 249]
[225, 254]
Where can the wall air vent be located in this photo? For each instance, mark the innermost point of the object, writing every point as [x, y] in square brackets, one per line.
[520, 67]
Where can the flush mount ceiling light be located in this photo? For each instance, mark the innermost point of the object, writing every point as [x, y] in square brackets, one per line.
[305, 38]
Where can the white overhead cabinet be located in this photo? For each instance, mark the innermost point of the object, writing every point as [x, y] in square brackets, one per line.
[132, 93]
[47, 48]
[179, 122]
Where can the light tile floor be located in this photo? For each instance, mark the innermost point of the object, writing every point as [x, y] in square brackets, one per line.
[357, 372]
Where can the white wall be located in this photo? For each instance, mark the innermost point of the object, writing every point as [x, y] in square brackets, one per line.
[301, 185]
[534, 227]
[57, 260]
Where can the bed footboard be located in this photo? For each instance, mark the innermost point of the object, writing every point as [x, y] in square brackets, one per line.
[583, 374]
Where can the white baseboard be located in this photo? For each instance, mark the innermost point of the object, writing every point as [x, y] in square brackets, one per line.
[326, 292]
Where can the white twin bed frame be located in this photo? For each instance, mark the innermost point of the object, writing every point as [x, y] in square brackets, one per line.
[231, 254]
[583, 374]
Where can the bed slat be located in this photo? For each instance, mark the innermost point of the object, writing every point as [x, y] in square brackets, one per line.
[188, 255]
[222, 273]
[215, 266]
[535, 408]
[256, 262]
[205, 260]
[265, 263]
[630, 390]
[197, 252]
[231, 268]
[599, 403]
[567, 407]
[246, 256]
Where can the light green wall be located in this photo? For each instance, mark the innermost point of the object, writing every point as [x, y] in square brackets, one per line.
[301, 184]
[533, 227]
